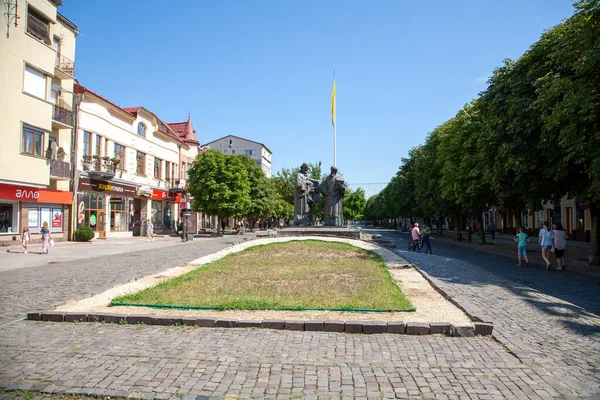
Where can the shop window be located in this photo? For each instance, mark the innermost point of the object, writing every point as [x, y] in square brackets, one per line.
[93, 210]
[6, 218]
[118, 214]
[157, 207]
[33, 138]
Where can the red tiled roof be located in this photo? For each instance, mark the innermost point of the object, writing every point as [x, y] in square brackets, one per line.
[132, 110]
[82, 89]
[185, 130]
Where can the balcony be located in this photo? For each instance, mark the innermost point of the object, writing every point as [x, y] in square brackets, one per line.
[100, 168]
[175, 185]
[61, 117]
[60, 169]
[65, 68]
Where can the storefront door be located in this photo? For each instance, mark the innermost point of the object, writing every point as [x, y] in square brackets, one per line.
[101, 224]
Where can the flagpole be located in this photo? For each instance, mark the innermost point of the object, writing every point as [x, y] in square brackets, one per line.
[335, 121]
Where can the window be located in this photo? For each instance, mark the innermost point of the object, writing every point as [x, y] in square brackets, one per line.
[87, 143]
[168, 171]
[140, 163]
[33, 138]
[250, 152]
[141, 130]
[232, 151]
[8, 216]
[34, 82]
[98, 146]
[118, 214]
[120, 154]
[156, 168]
[224, 151]
[38, 26]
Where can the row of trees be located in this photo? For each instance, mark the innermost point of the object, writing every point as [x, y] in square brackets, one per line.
[235, 186]
[532, 136]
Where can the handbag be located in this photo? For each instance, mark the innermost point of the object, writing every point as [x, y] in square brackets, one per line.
[51, 242]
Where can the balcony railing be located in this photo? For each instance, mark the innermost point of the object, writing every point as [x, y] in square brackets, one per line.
[101, 167]
[62, 115]
[60, 169]
[175, 185]
[65, 65]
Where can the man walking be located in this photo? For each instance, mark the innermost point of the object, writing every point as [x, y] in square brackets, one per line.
[416, 235]
[149, 230]
[425, 233]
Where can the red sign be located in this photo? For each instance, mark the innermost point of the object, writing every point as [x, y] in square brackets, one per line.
[56, 218]
[35, 195]
[166, 196]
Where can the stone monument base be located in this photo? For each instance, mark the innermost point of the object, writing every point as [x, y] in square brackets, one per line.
[338, 231]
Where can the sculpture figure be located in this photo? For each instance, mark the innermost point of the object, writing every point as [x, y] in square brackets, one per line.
[304, 197]
[333, 188]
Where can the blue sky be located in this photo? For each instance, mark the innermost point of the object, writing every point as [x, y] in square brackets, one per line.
[263, 70]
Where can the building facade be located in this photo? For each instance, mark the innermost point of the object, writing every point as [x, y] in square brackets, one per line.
[36, 119]
[236, 145]
[131, 167]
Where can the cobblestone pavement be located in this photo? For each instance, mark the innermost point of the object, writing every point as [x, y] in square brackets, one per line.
[547, 319]
[547, 325]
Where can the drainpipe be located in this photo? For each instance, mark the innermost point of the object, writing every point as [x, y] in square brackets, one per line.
[75, 173]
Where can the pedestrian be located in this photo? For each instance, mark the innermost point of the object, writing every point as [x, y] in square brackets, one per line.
[546, 241]
[560, 244]
[522, 238]
[149, 230]
[415, 234]
[25, 239]
[425, 233]
[493, 230]
[46, 237]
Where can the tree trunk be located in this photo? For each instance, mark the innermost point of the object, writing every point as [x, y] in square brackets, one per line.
[458, 219]
[441, 226]
[481, 229]
[518, 212]
[594, 255]
[219, 222]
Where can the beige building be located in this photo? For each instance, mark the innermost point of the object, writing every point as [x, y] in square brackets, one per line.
[236, 145]
[37, 51]
[131, 167]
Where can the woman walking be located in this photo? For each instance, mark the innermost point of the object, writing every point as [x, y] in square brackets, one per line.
[25, 239]
[46, 236]
[560, 244]
[149, 230]
[546, 241]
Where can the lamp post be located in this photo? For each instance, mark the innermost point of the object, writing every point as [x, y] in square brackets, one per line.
[184, 236]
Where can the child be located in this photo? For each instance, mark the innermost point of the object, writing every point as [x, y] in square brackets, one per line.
[25, 238]
[522, 238]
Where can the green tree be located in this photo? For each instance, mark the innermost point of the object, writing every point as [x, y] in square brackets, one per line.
[219, 184]
[354, 205]
[262, 195]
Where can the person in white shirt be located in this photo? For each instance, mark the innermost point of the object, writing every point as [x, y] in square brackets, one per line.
[416, 235]
[560, 244]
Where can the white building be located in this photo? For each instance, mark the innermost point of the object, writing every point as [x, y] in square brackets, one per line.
[131, 166]
[236, 145]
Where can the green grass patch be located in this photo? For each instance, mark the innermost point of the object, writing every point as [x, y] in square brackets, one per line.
[307, 274]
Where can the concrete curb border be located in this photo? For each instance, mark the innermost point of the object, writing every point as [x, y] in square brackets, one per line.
[365, 327]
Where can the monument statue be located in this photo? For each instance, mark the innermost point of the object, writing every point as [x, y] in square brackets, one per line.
[333, 188]
[304, 197]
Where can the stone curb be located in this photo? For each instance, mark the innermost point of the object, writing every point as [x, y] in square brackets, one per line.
[364, 327]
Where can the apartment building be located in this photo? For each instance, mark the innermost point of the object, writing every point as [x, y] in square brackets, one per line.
[36, 118]
[131, 166]
[236, 145]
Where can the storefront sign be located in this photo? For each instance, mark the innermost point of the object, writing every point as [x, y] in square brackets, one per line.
[92, 185]
[34, 195]
[57, 218]
[166, 196]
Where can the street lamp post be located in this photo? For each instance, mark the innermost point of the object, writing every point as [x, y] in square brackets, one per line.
[184, 236]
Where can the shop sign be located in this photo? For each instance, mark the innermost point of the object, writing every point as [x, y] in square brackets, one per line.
[56, 218]
[87, 185]
[34, 195]
[144, 191]
[166, 196]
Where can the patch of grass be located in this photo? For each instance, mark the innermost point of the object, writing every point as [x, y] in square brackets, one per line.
[292, 275]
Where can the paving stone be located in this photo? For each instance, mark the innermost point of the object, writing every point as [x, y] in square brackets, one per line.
[464, 331]
[313, 325]
[206, 322]
[374, 327]
[166, 321]
[273, 324]
[483, 328]
[396, 327]
[354, 326]
[34, 316]
[249, 324]
[334, 326]
[226, 323]
[139, 319]
[417, 328]
[53, 316]
[293, 325]
[440, 327]
[189, 321]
